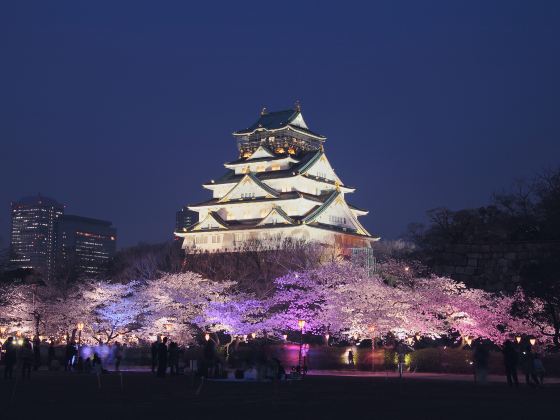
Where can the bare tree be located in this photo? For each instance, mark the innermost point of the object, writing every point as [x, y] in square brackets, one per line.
[147, 261]
[256, 263]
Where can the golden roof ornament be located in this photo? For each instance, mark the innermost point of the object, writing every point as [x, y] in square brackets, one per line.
[337, 185]
[264, 111]
[298, 106]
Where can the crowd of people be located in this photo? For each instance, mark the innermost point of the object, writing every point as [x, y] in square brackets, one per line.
[254, 364]
[514, 357]
[530, 361]
[165, 357]
[24, 354]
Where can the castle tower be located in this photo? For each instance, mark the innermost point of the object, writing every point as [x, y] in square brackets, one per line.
[281, 186]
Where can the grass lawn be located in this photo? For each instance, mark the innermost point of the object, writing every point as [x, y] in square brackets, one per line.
[145, 396]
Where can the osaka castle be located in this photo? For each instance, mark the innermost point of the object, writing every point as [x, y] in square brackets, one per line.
[280, 186]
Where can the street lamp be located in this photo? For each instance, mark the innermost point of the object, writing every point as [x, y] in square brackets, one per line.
[518, 339]
[372, 330]
[301, 325]
[532, 341]
[207, 337]
[327, 336]
[253, 335]
[285, 337]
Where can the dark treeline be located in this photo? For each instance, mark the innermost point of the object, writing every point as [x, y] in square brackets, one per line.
[253, 267]
[529, 213]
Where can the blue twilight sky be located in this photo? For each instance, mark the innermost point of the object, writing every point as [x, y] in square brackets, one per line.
[122, 109]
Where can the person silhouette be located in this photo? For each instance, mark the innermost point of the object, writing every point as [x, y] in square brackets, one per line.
[97, 364]
[401, 357]
[154, 349]
[481, 356]
[26, 358]
[118, 356]
[538, 368]
[510, 362]
[36, 353]
[10, 358]
[87, 365]
[529, 368]
[350, 357]
[51, 354]
[162, 358]
[69, 355]
[173, 358]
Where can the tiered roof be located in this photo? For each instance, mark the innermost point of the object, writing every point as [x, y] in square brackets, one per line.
[292, 164]
[280, 120]
[301, 165]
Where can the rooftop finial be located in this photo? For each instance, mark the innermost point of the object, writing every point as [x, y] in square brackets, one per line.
[264, 111]
[298, 106]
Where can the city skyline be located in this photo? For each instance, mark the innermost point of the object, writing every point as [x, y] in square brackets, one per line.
[55, 244]
[125, 114]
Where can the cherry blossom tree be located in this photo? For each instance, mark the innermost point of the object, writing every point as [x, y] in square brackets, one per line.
[111, 309]
[469, 312]
[337, 298]
[33, 309]
[342, 299]
[105, 309]
[16, 309]
[539, 316]
[175, 303]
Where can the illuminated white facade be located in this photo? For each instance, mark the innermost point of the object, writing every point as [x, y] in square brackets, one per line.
[282, 185]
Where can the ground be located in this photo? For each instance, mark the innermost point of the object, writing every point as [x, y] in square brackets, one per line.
[142, 395]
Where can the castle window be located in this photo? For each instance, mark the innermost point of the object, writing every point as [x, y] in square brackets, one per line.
[337, 220]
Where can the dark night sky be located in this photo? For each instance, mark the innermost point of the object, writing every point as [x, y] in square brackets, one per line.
[121, 109]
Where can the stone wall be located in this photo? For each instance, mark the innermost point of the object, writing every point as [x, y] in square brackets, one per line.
[489, 266]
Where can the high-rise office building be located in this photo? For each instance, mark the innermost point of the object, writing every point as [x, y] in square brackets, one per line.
[86, 245]
[33, 235]
[185, 218]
